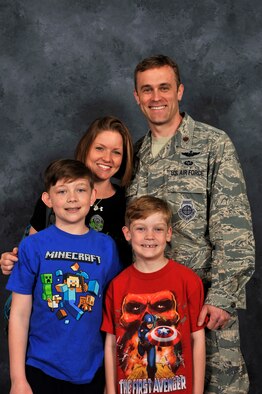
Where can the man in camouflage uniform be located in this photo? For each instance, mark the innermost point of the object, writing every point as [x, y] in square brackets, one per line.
[196, 169]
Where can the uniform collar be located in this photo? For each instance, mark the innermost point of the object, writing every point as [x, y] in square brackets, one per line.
[182, 138]
[185, 132]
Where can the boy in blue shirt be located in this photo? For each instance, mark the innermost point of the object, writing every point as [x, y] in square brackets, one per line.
[55, 343]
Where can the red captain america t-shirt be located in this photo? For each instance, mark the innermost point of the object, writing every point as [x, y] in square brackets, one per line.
[152, 316]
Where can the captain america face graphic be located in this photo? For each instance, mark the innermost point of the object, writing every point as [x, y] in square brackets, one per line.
[143, 318]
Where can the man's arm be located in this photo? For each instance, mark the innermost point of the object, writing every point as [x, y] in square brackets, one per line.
[217, 317]
[230, 228]
[110, 364]
[199, 360]
[17, 338]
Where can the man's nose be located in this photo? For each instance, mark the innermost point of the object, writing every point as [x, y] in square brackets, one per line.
[156, 95]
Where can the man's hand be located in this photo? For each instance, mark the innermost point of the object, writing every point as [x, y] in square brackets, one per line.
[217, 318]
[8, 260]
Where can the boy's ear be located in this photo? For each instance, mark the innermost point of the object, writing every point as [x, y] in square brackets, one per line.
[169, 234]
[46, 199]
[93, 197]
[126, 233]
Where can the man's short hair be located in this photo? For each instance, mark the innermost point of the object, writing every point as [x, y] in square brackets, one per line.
[157, 62]
[67, 169]
[144, 206]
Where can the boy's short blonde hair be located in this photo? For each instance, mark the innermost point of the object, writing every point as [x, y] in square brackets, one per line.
[142, 207]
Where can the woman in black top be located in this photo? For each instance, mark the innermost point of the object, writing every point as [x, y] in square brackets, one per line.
[106, 148]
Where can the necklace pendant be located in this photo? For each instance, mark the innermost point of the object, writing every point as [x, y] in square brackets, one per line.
[96, 207]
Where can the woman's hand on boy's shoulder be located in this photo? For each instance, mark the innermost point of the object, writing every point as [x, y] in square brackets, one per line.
[8, 260]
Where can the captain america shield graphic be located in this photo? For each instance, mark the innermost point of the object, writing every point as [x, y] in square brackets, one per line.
[164, 336]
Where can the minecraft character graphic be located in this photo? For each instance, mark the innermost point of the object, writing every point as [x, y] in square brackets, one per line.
[47, 295]
[86, 303]
[47, 280]
[69, 288]
[150, 344]
[74, 283]
[54, 302]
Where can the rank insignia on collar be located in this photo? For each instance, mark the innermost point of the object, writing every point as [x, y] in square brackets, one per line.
[187, 210]
[190, 153]
[188, 163]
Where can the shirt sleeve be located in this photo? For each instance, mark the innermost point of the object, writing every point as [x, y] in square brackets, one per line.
[195, 303]
[116, 265]
[22, 278]
[230, 229]
[108, 312]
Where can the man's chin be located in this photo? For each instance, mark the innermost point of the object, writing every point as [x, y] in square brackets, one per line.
[157, 122]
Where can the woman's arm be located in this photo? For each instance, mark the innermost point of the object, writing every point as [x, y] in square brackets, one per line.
[110, 364]
[8, 259]
[37, 222]
[17, 339]
[199, 360]
[32, 230]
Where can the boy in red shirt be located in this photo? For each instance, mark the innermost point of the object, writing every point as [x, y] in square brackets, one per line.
[153, 342]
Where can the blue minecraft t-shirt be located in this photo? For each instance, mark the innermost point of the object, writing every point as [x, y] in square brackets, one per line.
[66, 275]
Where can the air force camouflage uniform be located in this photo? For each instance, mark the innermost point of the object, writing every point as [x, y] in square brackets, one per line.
[199, 174]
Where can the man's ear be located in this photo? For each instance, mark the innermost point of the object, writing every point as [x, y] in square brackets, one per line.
[180, 92]
[136, 97]
[126, 233]
[46, 199]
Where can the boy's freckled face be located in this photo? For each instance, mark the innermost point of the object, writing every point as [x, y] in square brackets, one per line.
[70, 200]
[149, 236]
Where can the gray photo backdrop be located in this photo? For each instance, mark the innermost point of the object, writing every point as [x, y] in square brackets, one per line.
[64, 63]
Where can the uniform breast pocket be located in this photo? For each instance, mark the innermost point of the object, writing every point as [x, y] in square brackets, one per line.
[187, 192]
[187, 176]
